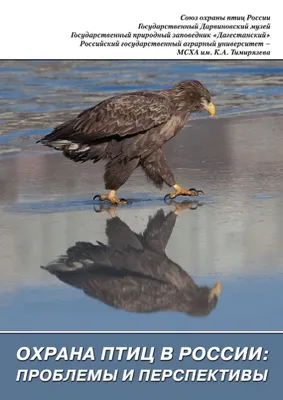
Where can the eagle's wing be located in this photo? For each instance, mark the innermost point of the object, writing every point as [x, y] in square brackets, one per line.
[159, 230]
[121, 115]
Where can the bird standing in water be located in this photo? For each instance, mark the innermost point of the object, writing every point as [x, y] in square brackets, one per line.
[129, 131]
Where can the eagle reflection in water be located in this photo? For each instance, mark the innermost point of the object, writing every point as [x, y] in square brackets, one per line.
[133, 272]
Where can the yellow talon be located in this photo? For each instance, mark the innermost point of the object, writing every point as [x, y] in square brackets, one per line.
[179, 191]
[111, 198]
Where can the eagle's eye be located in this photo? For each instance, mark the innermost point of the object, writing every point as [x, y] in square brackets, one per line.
[204, 101]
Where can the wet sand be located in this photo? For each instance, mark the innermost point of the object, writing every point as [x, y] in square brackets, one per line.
[235, 237]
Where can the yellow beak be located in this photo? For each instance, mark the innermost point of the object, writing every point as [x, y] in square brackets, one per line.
[210, 108]
[216, 290]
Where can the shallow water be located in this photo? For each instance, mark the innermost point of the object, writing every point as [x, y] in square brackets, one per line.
[45, 201]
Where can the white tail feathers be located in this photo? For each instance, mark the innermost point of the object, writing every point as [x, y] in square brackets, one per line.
[78, 152]
[67, 145]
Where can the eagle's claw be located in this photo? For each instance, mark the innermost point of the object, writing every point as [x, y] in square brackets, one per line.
[198, 192]
[97, 196]
[183, 192]
[112, 199]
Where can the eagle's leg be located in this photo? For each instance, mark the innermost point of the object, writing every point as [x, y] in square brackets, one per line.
[116, 174]
[111, 198]
[158, 171]
[179, 191]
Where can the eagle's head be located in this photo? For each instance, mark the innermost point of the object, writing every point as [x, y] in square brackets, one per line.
[195, 95]
[205, 300]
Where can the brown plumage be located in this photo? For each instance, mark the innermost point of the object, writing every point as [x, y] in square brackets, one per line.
[128, 131]
[133, 272]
